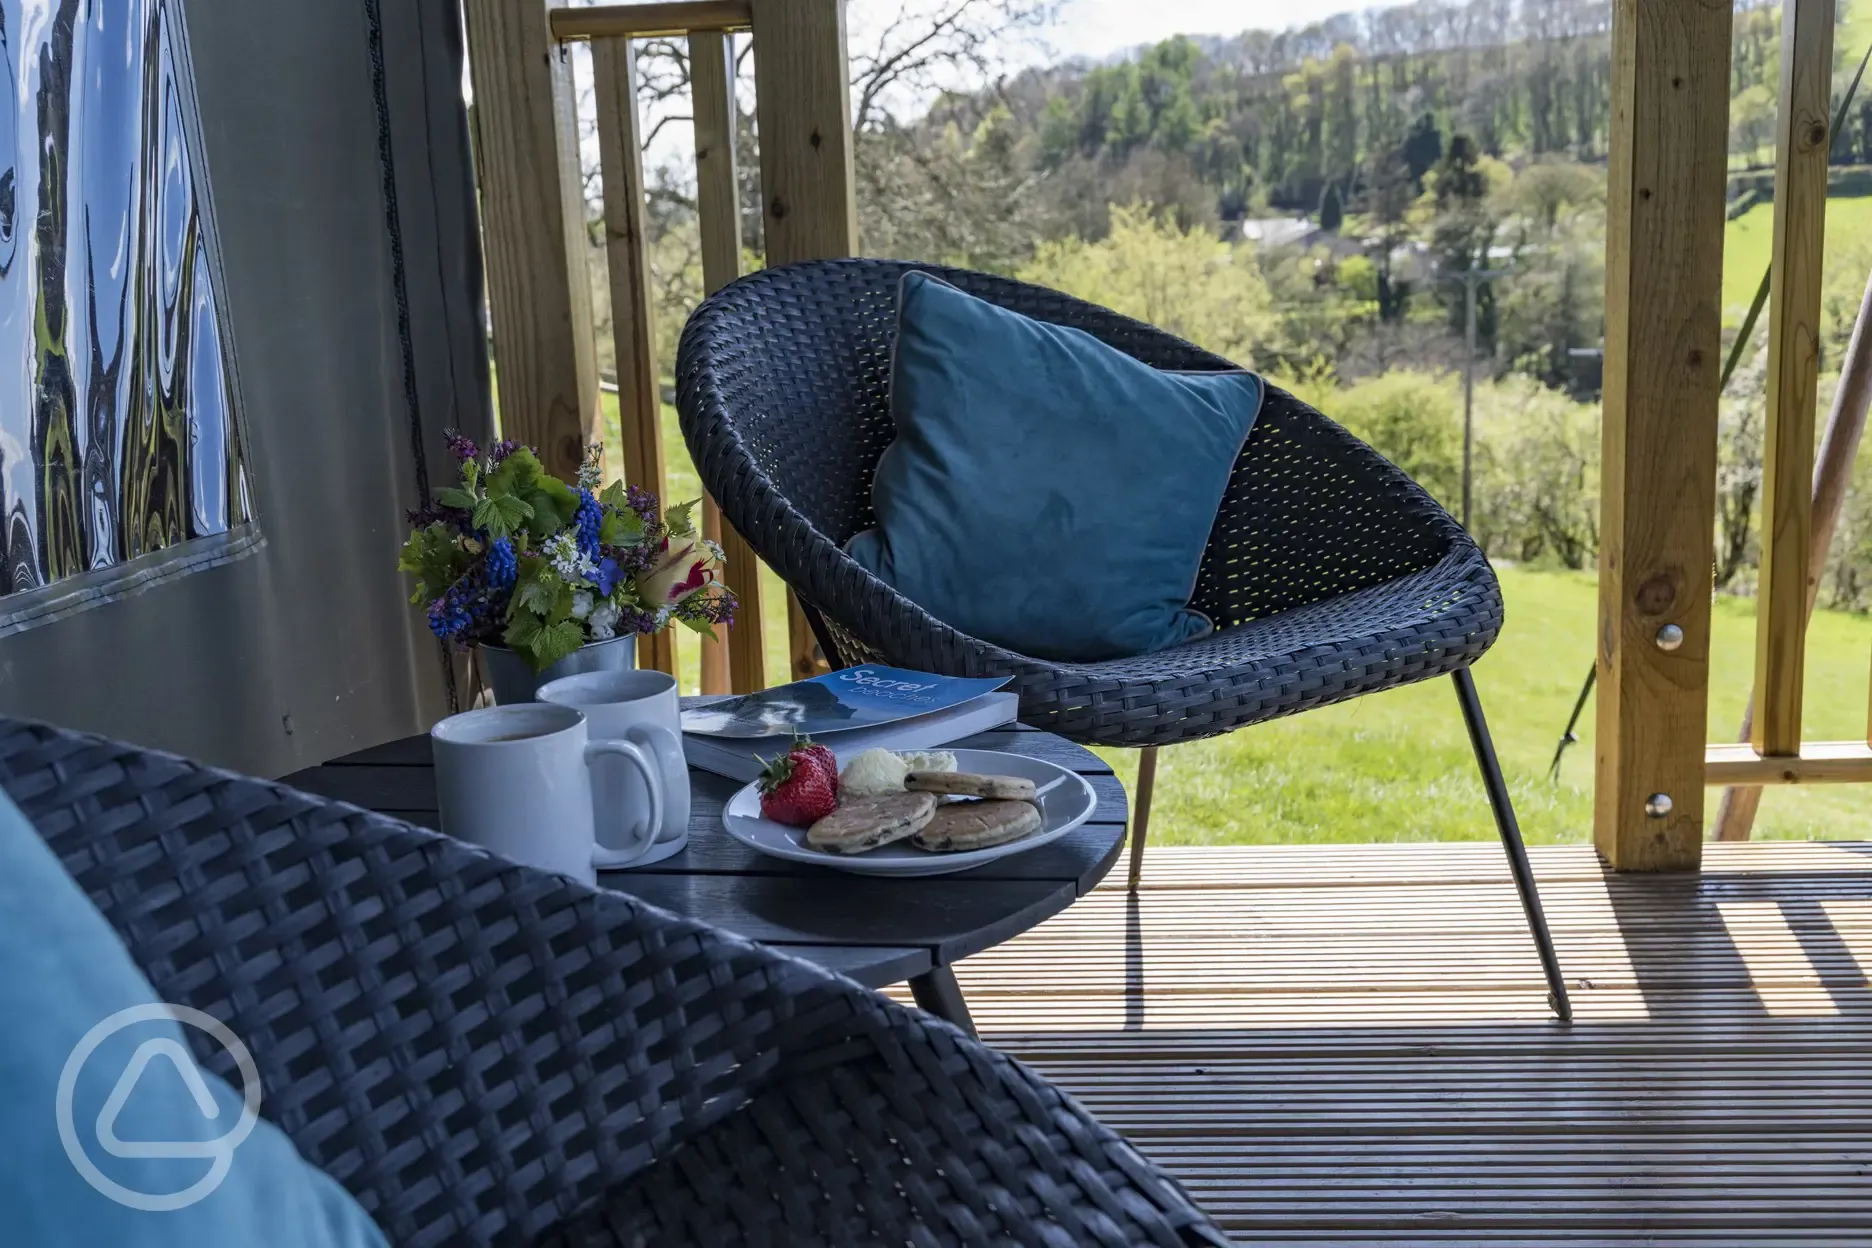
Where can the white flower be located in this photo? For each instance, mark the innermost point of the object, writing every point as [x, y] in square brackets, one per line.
[567, 560]
[581, 605]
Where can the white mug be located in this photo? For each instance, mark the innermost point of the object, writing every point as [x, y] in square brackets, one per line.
[518, 780]
[640, 708]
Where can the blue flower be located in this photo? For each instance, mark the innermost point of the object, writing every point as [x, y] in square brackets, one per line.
[587, 520]
[606, 577]
[502, 564]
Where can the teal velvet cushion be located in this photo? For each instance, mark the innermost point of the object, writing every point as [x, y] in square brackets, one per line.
[1045, 492]
[137, 1102]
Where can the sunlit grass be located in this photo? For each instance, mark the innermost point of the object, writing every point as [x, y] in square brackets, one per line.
[1396, 766]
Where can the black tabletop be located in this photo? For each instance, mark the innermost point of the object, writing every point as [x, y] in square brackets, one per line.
[878, 931]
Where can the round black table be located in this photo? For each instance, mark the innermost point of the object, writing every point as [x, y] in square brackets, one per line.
[876, 931]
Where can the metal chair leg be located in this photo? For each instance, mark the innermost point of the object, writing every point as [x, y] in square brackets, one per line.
[1510, 829]
[1140, 811]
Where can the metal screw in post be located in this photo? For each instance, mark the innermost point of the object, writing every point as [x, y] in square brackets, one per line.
[1670, 637]
[1658, 805]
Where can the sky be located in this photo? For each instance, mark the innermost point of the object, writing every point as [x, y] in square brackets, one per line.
[1097, 28]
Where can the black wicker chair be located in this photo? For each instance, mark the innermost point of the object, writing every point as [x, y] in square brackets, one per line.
[1329, 573]
[488, 1054]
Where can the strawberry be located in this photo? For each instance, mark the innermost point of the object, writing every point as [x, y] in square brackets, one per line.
[801, 786]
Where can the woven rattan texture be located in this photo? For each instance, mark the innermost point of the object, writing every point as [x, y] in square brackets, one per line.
[1328, 572]
[487, 1054]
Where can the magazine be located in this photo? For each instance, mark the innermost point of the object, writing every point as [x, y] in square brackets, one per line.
[741, 758]
[856, 697]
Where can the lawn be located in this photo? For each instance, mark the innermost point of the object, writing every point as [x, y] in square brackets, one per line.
[1748, 239]
[1396, 766]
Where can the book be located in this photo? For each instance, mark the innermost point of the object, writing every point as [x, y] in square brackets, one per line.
[883, 718]
[856, 697]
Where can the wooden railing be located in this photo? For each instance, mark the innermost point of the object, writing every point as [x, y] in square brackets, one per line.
[1663, 335]
[533, 222]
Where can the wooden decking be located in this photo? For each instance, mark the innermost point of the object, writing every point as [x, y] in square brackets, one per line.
[1348, 1045]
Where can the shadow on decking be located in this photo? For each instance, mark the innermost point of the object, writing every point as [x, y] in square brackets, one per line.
[1349, 1045]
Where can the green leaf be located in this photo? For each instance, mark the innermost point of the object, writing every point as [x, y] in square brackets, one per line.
[621, 528]
[449, 496]
[678, 518]
[700, 626]
[487, 515]
[555, 642]
[536, 596]
[514, 512]
[614, 495]
[521, 630]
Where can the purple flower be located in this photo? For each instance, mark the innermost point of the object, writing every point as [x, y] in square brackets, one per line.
[643, 502]
[502, 449]
[461, 447]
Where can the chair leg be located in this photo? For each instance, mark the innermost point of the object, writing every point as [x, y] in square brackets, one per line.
[1140, 811]
[1510, 829]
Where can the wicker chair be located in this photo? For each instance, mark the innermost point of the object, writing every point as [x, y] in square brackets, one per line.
[487, 1054]
[1329, 573]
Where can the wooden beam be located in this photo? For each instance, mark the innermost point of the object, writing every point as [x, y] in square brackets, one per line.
[1819, 762]
[650, 21]
[1669, 153]
[810, 207]
[1802, 140]
[627, 255]
[740, 664]
[1839, 450]
[533, 232]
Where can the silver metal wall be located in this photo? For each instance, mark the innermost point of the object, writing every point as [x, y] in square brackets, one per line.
[258, 328]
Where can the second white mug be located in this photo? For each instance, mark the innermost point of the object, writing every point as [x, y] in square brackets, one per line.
[639, 708]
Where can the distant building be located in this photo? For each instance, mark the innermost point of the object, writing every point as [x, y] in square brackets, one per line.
[1282, 231]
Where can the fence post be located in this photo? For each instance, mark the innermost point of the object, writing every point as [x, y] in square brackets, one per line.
[718, 210]
[810, 211]
[1802, 140]
[627, 260]
[533, 231]
[1664, 239]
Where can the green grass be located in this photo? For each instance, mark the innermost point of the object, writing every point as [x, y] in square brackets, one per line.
[1750, 237]
[1396, 766]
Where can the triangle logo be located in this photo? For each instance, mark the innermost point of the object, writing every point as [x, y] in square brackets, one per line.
[184, 1064]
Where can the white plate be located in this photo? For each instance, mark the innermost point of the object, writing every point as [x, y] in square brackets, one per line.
[1063, 808]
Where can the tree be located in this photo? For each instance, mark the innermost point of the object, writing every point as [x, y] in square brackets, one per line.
[1423, 147]
[1185, 280]
[1331, 209]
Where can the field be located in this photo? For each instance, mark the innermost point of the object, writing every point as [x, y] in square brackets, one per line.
[1749, 237]
[1396, 766]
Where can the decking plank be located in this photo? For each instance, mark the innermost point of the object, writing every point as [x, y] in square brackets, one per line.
[1347, 1045]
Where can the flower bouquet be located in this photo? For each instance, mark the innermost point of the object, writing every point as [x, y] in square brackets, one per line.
[512, 556]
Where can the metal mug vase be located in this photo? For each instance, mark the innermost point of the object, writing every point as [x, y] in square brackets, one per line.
[513, 680]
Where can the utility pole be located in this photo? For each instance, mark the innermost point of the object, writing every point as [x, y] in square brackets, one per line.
[1470, 278]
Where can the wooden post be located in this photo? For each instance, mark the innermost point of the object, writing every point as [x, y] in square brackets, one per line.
[1839, 448]
[533, 231]
[810, 212]
[640, 402]
[1802, 140]
[1669, 152]
[741, 664]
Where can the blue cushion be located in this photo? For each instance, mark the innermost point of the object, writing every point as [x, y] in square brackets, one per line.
[63, 972]
[1046, 492]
